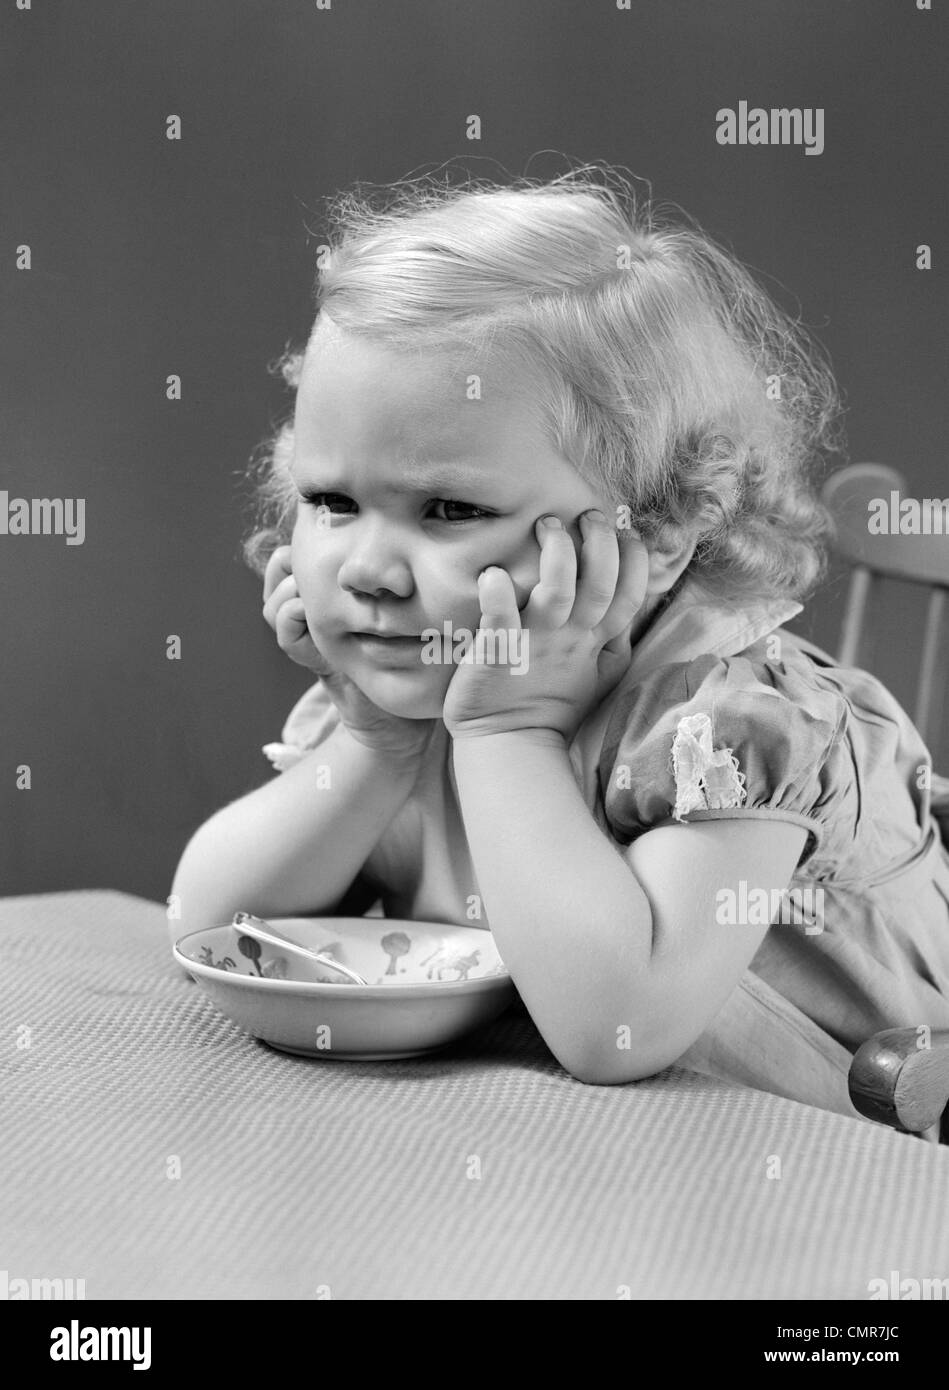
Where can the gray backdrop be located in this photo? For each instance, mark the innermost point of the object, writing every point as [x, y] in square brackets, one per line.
[152, 256]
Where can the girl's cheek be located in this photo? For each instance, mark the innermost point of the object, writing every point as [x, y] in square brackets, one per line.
[311, 546]
[524, 568]
[298, 554]
[315, 579]
[520, 559]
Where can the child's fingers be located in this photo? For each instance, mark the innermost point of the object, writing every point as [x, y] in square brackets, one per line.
[630, 592]
[553, 596]
[295, 641]
[283, 593]
[498, 600]
[278, 567]
[599, 570]
[290, 624]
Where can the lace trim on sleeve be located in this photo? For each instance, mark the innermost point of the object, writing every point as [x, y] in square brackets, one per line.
[283, 755]
[706, 779]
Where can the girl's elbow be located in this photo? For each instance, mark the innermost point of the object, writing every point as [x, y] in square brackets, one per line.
[615, 1071]
[620, 1058]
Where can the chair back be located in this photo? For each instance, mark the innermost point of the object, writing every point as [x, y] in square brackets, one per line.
[886, 534]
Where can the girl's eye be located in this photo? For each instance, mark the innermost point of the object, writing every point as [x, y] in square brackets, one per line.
[325, 499]
[333, 501]
[465, 506]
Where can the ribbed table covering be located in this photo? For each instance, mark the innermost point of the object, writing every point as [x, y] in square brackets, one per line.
[312, 1179]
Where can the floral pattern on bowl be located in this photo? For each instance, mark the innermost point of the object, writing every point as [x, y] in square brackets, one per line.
[427, 984]
[382, 951]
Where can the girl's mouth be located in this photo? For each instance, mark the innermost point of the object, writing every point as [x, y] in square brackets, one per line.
[397, 650]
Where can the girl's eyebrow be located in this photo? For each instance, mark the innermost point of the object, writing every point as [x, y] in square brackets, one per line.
[445, 476]
[414, 476]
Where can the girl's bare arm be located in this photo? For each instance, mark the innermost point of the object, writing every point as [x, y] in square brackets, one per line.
[619, 955]
[295, 845]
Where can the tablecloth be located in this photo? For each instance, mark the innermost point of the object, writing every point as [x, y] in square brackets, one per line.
[150, 1148]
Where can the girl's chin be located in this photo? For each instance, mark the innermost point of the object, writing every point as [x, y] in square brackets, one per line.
[407, 693]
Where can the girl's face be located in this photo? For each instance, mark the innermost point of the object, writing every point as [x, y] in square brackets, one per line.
[421, 489]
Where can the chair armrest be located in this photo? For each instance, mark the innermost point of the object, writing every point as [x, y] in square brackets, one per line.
[895, 1080]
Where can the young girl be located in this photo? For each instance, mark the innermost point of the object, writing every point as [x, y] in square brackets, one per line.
[534, 413]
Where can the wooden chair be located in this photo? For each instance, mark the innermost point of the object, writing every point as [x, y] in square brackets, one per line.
[892, 1079]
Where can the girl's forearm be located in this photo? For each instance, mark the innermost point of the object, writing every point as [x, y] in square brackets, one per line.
[295, 845]
[571, 921]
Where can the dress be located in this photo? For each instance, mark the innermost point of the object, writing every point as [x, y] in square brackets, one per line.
[723, 713]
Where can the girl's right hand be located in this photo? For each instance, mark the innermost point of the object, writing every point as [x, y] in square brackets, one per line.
[370, 725]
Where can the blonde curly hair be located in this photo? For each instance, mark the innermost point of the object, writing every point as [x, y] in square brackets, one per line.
[665, 374]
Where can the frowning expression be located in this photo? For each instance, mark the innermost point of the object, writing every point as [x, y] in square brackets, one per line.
[411, 483]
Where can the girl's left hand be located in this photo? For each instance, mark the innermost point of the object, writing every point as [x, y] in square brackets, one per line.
[573, 645]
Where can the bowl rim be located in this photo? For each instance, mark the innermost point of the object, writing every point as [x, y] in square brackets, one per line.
[393, 921]
[320, 989]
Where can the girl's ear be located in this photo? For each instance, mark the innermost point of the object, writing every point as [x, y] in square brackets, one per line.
[668, 557]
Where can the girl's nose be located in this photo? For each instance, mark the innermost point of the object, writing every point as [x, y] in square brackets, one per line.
[374, 568]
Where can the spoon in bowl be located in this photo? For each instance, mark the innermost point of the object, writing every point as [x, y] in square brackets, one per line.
[255, 930]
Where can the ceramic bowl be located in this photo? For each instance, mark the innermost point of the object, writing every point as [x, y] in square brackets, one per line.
[428, 984]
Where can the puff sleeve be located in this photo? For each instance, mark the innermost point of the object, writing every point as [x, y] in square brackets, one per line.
[730, 737]
[311, 721]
